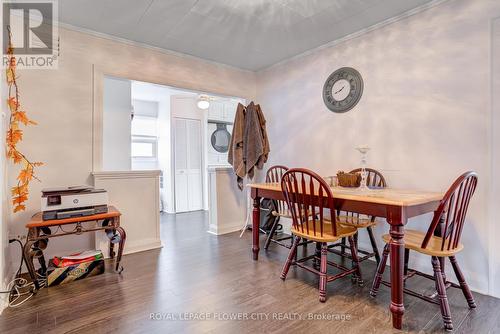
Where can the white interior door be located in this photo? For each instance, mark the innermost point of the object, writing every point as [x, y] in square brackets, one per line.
[188, 165]
[195, 190]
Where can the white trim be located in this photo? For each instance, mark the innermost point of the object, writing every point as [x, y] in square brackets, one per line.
[359, 33]
[10, 275]
[143, 245]
[216, 230]
[493, 256]
[4, 297]
[133, 174]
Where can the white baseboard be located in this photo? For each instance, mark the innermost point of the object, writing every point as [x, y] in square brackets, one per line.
[230, 228]
[4, 297]
[136, 247]
[143, 245]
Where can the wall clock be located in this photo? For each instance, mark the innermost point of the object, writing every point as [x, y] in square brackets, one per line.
[343, 89]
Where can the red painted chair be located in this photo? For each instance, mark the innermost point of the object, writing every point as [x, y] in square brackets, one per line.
[450, 217]
[309, 199]
[373, 179]
[274, 175]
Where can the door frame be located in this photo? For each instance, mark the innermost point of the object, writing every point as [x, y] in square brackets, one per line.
[494, 184]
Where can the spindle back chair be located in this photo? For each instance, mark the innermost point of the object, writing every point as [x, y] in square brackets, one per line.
[452, 211]
[305, 194]
[274, 175]
[375, 179]
[449, 217]
[310, 202]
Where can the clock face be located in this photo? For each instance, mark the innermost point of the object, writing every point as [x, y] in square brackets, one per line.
[343, 89]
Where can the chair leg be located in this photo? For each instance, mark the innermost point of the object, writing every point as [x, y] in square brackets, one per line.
[342, 247]
[304, 245]
[441, 289]
[271, 233]
[317, 253]
[380, 271]
[463, 284]
[291, 256]
[374, 244]
[355, 260]
[322, 271]
[442, 263]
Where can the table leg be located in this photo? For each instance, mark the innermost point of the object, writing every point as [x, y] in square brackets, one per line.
[255, 227]
[111, 249]
[121, 244]
[28, 258]
[397, 265]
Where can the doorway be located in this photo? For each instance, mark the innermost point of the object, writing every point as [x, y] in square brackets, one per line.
[170, 130]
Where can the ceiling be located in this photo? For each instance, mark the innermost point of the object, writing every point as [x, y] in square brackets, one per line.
[248, 34]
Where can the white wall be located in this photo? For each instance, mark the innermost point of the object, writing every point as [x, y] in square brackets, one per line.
[140, 213]
[227, 204]
[4, 250]
[425, 111]
[61, 101]
[116, 124]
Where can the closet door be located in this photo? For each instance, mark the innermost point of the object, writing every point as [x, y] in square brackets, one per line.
[195, 190]
[181, 165]
[188, 165]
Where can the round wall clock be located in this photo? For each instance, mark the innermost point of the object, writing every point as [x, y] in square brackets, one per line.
[343, 89]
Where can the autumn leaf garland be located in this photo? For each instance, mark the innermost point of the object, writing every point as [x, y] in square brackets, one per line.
[18, 117]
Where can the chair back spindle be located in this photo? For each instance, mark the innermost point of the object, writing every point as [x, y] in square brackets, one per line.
[451, 212]
[274, 175]
[373, 177]
[308, 196]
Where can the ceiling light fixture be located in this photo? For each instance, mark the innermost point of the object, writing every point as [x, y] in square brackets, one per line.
[203, 102]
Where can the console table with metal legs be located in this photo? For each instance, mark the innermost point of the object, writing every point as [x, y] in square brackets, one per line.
[40, 231]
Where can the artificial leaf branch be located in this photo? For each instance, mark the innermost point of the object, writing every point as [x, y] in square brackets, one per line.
[18, 117]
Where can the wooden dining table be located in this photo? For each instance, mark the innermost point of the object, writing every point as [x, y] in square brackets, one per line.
[397, 206]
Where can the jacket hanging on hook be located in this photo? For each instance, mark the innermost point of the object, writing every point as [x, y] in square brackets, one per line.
[249, 146]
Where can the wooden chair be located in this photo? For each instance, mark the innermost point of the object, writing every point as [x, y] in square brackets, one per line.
[451, 214]
[308, 196]
[374, 179]
[274, 175]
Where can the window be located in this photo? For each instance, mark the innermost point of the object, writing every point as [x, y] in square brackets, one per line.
[144, 138]
[143, 148]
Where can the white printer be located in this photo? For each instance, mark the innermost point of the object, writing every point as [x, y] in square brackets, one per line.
[77, 201]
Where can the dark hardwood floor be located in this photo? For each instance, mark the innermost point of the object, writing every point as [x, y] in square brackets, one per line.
[198, 274]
